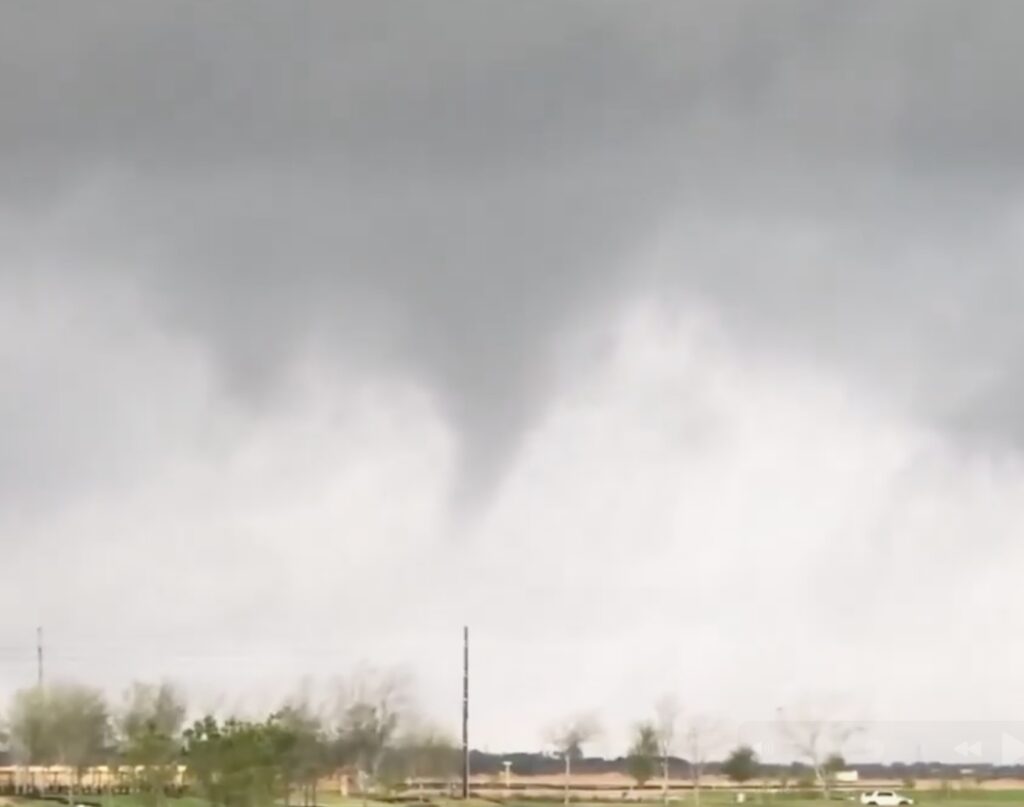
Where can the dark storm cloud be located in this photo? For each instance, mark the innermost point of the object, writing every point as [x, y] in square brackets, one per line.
[437, 188]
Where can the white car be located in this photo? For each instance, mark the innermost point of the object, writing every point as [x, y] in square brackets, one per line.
[884, 798]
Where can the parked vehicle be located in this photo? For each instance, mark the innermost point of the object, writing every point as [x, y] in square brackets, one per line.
[885, 798]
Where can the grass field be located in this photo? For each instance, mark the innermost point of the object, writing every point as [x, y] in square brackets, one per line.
[933, 798]
[977, 798]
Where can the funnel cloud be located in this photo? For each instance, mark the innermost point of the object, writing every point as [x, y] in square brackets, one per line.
[657, 292]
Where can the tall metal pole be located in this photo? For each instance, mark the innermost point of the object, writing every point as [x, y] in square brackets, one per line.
[39, 657]
[465, 712]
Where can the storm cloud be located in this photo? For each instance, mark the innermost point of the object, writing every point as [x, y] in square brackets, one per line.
[453, 203]
[442, 187]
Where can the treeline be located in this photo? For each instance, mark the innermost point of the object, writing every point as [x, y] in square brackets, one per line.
[367, 729]
[537, 763]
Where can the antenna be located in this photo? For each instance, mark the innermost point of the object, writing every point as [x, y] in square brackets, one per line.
[39, 657]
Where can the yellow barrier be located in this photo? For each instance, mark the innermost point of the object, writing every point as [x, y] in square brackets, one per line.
[94, 777]
[104, 777]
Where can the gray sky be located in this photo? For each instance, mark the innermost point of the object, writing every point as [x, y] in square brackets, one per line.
[673, 346]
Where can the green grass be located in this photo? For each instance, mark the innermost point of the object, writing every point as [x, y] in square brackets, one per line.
[115, 801]
[926, 798]
[135, 801]
[337, 800]
[709, 798]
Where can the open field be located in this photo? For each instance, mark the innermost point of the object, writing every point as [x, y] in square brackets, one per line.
[1002, 797]
[973, 798]
[720, 798]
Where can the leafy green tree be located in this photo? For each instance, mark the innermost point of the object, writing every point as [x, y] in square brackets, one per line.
[304, 749]
[203, 752]
[80, 727]
[149, 737]
[238, 763]
[642, 759]
[833, 764]
[31, 727]
[65, 724]
[741, 765]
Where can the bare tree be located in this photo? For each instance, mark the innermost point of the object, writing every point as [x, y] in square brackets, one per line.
[817, 737]
[150, 707]
[148, 734]
[569, 739]
[371, 710]
[423, 751]
[666, 718]
[700, 736]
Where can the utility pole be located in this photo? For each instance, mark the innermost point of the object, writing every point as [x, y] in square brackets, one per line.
[39, 657]
[465, 712]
